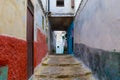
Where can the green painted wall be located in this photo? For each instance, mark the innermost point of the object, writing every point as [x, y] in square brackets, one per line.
[3, 73]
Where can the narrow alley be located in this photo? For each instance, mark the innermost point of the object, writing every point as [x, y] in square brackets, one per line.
[62, 67]
[59, 39]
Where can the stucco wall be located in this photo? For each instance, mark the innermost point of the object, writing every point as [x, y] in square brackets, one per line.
[13, 49]
[13, 44]
[53, 40]
[45, 4]
[40, 48]
[13, 53]
[77, 3]
[13, 18]
[57, 10]
[105, 65]
[96, 37]
[38, 14]
[98, 24]
[40, 34]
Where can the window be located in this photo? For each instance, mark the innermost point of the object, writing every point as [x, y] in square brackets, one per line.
[60, 3]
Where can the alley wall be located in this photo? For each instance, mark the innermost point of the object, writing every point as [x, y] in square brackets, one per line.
[13, 46]
[40, 33]
[96, 37]
[13, 18]
[97, 25]
[77, 4]
[13, 37]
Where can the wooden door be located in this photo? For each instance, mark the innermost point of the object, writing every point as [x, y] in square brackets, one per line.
[30, 38]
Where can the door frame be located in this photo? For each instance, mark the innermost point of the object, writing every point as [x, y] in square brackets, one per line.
[30, 8]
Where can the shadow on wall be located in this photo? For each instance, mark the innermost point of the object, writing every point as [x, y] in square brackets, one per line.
[105, 65]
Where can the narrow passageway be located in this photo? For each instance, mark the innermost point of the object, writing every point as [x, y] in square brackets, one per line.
[57, 39]
[62, 67]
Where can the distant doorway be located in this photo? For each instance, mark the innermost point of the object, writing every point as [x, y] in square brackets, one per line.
[60, 41]
[30, 38]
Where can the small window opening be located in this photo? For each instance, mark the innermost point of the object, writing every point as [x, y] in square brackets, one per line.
[60, 3]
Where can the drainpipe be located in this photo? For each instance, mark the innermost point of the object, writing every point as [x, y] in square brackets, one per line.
[48, 5]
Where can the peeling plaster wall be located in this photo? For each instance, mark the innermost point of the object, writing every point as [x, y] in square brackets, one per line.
[105, 65]
[13, 18]
[97, 39]
[98, 24]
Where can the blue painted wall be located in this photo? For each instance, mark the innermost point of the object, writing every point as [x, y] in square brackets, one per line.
[70, 39]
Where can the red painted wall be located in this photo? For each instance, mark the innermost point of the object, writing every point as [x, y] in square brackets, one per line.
[40, 48]
[13, 52]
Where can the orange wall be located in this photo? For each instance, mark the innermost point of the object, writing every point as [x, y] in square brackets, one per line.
[40, 48]
[13, 52]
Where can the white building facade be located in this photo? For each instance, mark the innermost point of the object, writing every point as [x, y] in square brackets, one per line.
[61, 7]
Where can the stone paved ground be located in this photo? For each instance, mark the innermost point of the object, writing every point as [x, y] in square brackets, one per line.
[62, 67]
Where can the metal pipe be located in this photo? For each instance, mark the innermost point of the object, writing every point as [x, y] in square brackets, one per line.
[48, 5]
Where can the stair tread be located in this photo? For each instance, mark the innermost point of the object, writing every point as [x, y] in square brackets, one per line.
[53, 71]
[60, 61]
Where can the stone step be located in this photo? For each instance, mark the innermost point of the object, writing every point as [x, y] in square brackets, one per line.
[60, 61]
[87, 77]
[62, 72]
[62, 67]
[76, 78]
[59, 56]
[58, 79]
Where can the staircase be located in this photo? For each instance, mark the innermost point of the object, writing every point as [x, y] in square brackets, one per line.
[62, 67]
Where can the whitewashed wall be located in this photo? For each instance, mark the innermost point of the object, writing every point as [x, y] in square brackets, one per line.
[98, 25]
[44, 3]
[77, 3]
[38, 14]
[66, 9]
